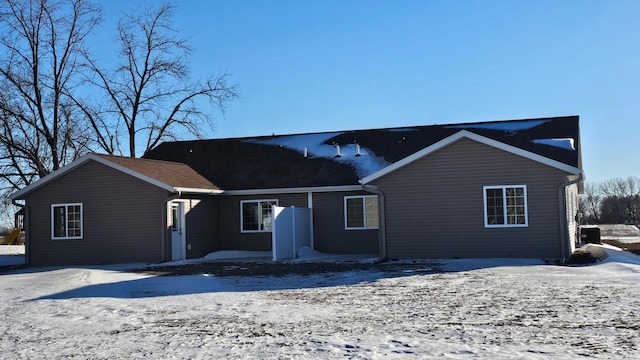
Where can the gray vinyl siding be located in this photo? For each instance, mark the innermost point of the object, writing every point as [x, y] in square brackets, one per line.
[231, 238]
[202, 221]
[123, 219]
[329, 231]
[435, 207]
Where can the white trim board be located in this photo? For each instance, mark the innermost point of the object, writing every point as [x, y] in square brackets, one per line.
[97, 158]
[299, 190]
[475, 137]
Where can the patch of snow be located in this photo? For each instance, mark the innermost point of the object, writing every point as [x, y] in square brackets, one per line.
[308, 254]
[472, 264]
[563, 143]
[615, 254]
[365, 164]
[502, 126]
[616, 230]
[11, 249]
[237, 254]
[476, 309]
[627, 234]
[623, 239]
[11, 255]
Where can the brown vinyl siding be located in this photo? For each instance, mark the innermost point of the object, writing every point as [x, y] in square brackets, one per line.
[230, 235]
[202, 222]
[123, 219]
[329, 231]
[435, 208]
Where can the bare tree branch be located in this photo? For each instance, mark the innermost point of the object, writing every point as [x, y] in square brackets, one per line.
[150, 93]
[41, 50]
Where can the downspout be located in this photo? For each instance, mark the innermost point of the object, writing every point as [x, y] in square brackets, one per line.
[562, 205]
[26, 223]
[381, 218]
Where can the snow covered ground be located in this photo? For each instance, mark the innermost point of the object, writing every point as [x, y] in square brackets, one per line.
[11, 255]
[457, 309]
[625, 234]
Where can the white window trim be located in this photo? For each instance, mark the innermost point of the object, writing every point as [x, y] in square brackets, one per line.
[242, 202]
[66, 206]
[504, 204]
[364, 212]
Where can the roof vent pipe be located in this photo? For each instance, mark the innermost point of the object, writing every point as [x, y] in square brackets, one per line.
[338, 151]
[358, 150]
[306, 153]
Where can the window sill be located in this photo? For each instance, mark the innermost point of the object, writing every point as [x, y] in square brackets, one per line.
[505, 226]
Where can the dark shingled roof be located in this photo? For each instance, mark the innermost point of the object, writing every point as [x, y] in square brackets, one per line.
[272, 162]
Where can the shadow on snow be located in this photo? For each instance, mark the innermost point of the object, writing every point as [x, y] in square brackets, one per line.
[162, 281]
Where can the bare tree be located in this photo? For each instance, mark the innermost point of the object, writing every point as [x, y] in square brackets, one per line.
[621, 200]
[150, 95]
[42, 44]
[590, 203]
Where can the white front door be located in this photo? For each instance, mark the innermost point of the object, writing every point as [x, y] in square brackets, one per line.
[177, 231]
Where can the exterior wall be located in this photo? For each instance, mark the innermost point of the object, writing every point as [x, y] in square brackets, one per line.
[572, 212]
[123, 219]
[202, 224]
[231, 237]
[329, 233]
[435, 205]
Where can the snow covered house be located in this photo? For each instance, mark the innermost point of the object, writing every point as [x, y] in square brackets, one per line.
[490, 189]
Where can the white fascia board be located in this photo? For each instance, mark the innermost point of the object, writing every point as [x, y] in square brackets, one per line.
[132, 173]
[52, 176]
[481, 139]
[81, 161]
[298, 190]
[155, 182]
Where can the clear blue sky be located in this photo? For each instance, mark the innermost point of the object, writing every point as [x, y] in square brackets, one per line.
[324, 65]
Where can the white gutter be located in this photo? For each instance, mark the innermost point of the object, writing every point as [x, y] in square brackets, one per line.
[295, 190]
[183, 190]
[562, 205]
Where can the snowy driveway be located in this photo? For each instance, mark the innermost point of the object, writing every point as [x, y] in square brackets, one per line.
[473, 309]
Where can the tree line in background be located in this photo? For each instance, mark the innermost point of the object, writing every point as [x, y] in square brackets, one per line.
[614, 201]
[59, 101]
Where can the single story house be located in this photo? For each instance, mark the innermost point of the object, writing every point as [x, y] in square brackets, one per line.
[487, 189]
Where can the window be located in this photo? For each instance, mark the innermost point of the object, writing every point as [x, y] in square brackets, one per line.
[505, 206]
[175, 217]
[361, 212]
[256, 215]
[66, 221]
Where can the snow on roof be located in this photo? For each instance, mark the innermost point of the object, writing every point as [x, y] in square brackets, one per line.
[504, 125]
[366, 163]
[563, 143]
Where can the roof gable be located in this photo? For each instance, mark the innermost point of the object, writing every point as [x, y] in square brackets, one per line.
[170, 176]
[475, 137]
[161, 173]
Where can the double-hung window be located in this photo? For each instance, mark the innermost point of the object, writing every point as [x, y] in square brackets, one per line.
[505, 206]
[256, 215]
[66, 221]
[361, 212]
